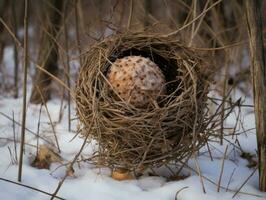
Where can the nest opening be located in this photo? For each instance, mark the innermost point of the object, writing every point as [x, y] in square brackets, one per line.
[166, 65]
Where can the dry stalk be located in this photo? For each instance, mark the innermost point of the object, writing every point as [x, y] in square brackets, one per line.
[30, 187]
[195, 19]
[238, 191]
[177, 193]
[16, 62]
[50, 119]
[77, 30]
[14, 137]
[230, 179]
[200, 174]
[25, 66]
[222, 169]
[67, 74]
[214, 183]
[30, 131]
[38, 129]
[130, 15]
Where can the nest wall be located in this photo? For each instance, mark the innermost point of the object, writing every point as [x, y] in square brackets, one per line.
[135, 138]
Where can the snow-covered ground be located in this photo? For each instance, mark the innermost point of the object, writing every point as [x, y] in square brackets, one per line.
[90, 182]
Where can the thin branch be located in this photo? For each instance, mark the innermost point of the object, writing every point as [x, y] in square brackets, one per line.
[50, 119]
[245, 182]
[195, 19]
[32, 188]
[222, 170]
[130, 14]
[25, 71]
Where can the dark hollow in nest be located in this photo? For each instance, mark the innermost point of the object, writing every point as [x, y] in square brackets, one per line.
[136, 138]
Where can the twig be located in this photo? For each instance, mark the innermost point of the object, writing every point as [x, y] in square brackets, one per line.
[231, 176]
[194, 3]
[24, 90]
[67, 63]
[38, 129]
[10, 32]
[130, 14]
[50, 119]
[225, 87]
[222, 169]
[30, 131]
[245, 182]
[32, 188]
[195, 19]
[77, 30]
[209, 150]
[16, 63]
[200, 175]
[14, 136]
[78, 154]
[176, 194]
[213, 182]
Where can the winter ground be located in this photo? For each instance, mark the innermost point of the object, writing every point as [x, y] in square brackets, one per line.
[90, 182]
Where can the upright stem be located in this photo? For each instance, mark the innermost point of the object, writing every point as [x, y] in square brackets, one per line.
[77, 30]
[25, 69]
[67, 64]
[258, 70]
[14, 16]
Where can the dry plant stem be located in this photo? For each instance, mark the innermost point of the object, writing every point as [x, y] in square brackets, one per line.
[14, 21]
[25, 66]
[220, 48]
[195, 19]
[214, 183]
[176, 194]
[14, 136]
[77, 30]
[130, 15]
[32, 188]
[237, 120]
[223, 103]
[37, 66]
[49, 53]
[10, 32]
[38, 129]
[70, 166]
[30, 131]
[61, 110]
[193, 24]
[230, 179]
[245, 182]
[209, 150]
[200, 22]
[199, 173]
[68, 66]
[258, 70]
[222, 169]
[49, 117]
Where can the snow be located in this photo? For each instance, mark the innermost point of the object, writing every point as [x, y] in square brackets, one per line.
[90, 182]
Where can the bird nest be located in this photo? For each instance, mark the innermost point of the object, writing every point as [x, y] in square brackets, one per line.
[135, 138]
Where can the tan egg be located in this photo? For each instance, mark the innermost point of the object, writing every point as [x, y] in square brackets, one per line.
[136, 80]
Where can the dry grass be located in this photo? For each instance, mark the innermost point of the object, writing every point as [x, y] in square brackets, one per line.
[168, 130]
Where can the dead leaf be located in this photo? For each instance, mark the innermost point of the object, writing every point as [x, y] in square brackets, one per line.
[45, 157]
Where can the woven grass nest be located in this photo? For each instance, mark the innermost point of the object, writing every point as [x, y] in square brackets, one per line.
[136, 138]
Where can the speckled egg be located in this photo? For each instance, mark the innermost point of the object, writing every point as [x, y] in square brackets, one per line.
[137, 80]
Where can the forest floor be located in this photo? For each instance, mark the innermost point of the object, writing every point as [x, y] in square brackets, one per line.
[239, 177]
